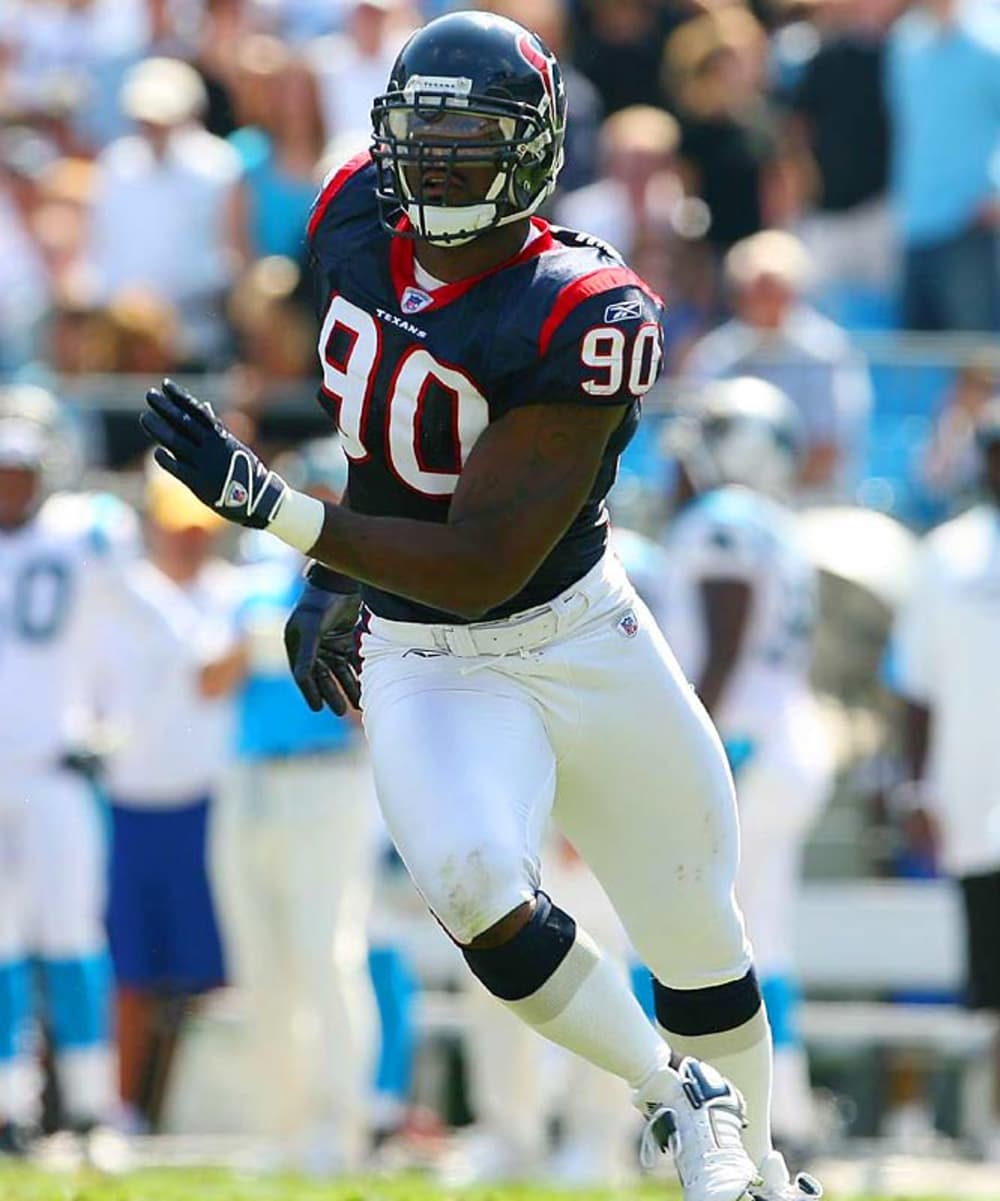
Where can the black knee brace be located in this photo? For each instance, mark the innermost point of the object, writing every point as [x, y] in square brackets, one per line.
[520, 967]
[694, 1011]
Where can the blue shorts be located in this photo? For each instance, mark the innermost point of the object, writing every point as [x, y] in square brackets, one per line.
[161, 920]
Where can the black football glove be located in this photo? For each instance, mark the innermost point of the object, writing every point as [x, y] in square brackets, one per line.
[196, 448]
[320, 642]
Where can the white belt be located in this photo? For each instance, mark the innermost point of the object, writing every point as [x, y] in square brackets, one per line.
[520, 633]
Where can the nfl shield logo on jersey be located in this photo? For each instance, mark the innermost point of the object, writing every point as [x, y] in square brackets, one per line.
[414, 300]
[628, 624]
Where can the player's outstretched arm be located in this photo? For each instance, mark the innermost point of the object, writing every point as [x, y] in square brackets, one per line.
[526, 479]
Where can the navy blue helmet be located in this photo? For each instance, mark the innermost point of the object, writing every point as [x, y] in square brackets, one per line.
[468, 89]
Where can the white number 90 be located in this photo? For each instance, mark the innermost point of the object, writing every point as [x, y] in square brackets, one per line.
[604, 348]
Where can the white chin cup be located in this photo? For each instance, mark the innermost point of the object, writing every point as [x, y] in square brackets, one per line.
[451, 226]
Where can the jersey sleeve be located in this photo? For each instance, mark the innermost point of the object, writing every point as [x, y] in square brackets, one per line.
[346, 201]
[601, 343]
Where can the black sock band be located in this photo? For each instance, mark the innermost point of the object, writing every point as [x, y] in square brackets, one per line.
[695, 1011]
[520, 967]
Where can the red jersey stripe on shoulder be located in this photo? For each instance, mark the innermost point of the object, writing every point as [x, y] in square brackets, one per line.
[333, 186]
[582, 288]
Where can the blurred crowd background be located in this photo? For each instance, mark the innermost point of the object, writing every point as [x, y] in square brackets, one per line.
[814, 188]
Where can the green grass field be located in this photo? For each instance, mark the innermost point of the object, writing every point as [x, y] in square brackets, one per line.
[32, 1184]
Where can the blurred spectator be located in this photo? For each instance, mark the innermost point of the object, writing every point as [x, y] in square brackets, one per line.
[69, 56]
[78, 340]
[946, 664]
[144, 331]
[680, 268]
[943, 88]
[549, 19]
[225, 26]
[951, 465]
[618, 46]
[61, 218]
[169, 208]
[776, 336]
[840, 126]
[352, 67]
[24, 284]
[173, 716]
[280, 142]
[296, 851]
[639, 191]
[714, 68]
[276, 335]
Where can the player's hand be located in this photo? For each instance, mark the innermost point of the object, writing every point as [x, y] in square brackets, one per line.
[196, 448]
[321, 645]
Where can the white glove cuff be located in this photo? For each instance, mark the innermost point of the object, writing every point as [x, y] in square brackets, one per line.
[299, 520]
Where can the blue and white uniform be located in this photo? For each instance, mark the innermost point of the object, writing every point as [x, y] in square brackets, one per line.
[60, 581]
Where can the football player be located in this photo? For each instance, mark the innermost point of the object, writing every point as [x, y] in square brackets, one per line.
[57, 556]
[485, 371]
[740, 603]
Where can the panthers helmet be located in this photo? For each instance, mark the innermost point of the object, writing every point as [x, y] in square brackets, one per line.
[470, 89]
[27, 444]
[739, 431]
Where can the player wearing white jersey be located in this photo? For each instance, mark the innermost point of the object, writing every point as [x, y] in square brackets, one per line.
[57, 571]
[739, 613]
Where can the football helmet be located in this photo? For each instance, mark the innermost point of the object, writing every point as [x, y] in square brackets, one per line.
[34, 437]
[739, 431]
[468, 89]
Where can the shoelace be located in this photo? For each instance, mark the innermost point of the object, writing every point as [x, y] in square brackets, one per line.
[650, 1146]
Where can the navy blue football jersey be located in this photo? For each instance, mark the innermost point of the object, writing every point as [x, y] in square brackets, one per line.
[412, 378]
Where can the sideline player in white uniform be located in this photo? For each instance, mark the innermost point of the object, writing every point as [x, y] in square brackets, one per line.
[945, 663]
[739, 611]
[58, 570]
[486, 370]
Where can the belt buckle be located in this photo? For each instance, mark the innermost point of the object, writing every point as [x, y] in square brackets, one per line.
[459, 640]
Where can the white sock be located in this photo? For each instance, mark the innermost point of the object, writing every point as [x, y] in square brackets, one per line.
[743, 1056]
[586, 1005]
[87, 1079]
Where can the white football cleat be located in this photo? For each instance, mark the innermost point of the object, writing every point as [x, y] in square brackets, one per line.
[776, 1185]
[696, 1116]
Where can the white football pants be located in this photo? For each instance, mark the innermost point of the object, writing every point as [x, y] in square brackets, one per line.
[597, 726]
[293, 851]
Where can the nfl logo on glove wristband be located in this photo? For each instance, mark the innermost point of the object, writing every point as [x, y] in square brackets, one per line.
[414, 300]
[236, 494]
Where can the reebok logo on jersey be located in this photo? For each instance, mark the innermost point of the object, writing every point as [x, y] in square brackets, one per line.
[415, 300]
[623, 310]
[628, 624]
